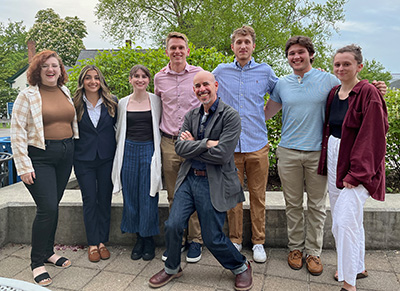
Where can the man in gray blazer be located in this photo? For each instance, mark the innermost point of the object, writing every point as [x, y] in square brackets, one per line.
[207, 183]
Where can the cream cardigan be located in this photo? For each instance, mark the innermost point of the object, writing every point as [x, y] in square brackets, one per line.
[27, 126]
[155, 170]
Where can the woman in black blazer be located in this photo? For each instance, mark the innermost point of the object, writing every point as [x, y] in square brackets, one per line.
[96, 110]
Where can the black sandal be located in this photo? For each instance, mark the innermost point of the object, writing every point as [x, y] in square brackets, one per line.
[60, 263]
[359, 275]
[40, 278]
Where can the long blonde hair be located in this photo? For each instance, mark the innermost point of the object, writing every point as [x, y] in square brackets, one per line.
[104, 93]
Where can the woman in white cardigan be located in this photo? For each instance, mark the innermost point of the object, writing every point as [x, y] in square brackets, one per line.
[137, 162]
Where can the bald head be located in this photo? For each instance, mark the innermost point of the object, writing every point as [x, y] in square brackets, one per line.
[205, 87]
[204, 74]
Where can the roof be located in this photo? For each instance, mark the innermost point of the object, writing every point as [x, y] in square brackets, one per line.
[11, 80]
[91, 53]
[395, 84]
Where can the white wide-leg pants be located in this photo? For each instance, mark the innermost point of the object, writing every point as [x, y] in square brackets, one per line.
[347, 220]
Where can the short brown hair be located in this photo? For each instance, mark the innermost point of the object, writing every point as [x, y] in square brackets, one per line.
[304, 41]
[353, 49]
[33, 73]
[244, 30]
[175, 34]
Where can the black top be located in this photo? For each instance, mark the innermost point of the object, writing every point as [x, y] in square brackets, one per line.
[139, 126]
[338, 112]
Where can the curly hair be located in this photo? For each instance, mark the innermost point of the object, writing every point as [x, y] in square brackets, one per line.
[304, 41]
[103, 92]
[33, 73]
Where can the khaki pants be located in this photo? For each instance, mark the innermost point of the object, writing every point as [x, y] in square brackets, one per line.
[256, 166]
[171, 163]
[296, 167]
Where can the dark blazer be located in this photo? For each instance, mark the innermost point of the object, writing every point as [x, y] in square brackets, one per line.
[225, 188]
[92, 140]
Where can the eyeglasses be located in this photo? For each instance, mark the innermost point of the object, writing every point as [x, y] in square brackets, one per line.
[53, 66]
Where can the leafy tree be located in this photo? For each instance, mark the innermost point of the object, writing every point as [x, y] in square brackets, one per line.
[7, 94]
[116, 64]
[13, 50]
[209, 23]
[65, 36]
[374, 70]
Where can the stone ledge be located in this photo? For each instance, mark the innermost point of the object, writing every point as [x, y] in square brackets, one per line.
[17, 210]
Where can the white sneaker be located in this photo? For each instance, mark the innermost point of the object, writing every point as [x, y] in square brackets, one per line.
[259, 254]
[238, 246]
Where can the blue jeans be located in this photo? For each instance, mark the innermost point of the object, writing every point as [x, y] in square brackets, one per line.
[192, 195]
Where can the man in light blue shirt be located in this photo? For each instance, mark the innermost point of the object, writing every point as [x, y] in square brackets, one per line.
[243, 85]
[302, 97]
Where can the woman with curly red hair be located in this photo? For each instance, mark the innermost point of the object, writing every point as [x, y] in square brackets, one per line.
[43, 127]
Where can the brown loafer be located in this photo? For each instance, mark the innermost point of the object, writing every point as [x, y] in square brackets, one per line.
[162, 278]
[94, 255]
[244, 281]
[295, 260]
[104, 253]
[314, 265]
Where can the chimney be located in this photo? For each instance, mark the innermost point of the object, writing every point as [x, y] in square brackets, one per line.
[128, 42]
[31, 50]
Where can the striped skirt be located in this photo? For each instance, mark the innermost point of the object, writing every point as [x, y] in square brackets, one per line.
[140, 213]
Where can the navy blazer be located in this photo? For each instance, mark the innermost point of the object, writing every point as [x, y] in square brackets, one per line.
[92, 140]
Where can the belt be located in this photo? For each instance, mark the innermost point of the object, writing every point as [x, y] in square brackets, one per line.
[174, 137]
[199, 173]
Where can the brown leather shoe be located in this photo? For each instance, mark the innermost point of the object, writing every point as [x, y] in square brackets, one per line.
[162, 278]
[94, 255]
[104, 253]
[295, 260]
[314, 265]
[244, 281]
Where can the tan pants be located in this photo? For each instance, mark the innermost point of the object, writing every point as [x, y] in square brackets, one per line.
[256, 165]
[296, 167]
[171, 163]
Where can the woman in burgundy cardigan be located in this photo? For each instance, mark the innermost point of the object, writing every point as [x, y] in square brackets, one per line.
[353, 156]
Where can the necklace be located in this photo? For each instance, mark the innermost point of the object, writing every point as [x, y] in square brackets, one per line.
[137, 100]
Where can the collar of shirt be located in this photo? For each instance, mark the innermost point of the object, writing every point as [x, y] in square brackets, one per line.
[89, 104]
[168, 69]
[212, 108]
[94, 112]
[246, 66]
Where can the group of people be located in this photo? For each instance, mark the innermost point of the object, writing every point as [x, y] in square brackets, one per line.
[204, 131]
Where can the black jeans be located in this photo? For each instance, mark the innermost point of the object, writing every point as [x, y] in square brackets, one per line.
[52, 169]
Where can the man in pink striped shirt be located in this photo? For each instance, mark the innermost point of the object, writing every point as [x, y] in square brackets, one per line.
[174, 85]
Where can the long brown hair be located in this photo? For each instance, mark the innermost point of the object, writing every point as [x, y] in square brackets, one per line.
[103, 92]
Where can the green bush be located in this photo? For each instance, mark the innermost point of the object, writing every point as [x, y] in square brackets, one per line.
[393, 140]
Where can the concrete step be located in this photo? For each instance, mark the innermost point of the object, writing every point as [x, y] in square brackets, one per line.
[17, 211]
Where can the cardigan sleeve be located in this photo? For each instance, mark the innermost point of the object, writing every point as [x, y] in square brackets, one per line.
[19, 134]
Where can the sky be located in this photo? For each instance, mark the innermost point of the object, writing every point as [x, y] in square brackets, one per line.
[373, 25]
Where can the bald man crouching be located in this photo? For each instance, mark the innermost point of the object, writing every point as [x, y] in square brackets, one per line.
[207, 183]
